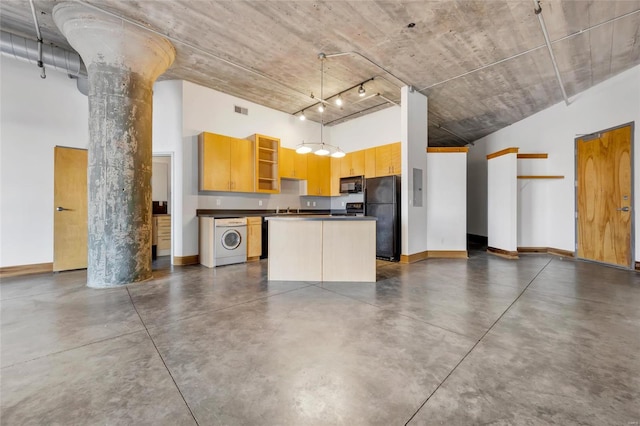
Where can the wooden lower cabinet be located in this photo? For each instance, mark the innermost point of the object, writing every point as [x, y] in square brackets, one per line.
[161, 238]
[254, 238]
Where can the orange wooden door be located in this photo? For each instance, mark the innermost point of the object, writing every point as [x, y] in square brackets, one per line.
[604, 197]
[69, 209]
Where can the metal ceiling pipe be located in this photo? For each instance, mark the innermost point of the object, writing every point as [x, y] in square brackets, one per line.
[43, 73]
[538, 12]
[27, 50]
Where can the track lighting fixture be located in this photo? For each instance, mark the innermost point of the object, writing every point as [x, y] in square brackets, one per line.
[338, 154]
[302, 116]
[320, 108]
[323, 150]
[303, 148]
[339, 100]
[361, 91]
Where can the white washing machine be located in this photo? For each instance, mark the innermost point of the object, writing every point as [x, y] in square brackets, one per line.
[230, 241]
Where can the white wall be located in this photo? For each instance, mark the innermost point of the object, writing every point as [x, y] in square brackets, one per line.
[35, 115]
[502, 196]
[446, 193]
[609, 104]
[379, 128]
[413, 125]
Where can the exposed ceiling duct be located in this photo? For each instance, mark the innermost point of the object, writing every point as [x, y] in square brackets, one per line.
[53, 57]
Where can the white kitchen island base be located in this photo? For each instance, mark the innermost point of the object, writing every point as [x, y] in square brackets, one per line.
[322, 248]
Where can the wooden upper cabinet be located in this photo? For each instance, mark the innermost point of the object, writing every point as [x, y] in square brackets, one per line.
[345, 165]
[292, 165]
[286, 163]
[353, 164]
[318, 175]
[388, 159]
[335, 176]
[267, 154]
[370, 162]
[226, 163]
[242, 152]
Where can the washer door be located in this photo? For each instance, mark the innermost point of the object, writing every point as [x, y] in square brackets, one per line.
[231, 239]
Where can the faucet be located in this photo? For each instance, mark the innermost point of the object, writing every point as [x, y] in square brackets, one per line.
[288, 210]
[278, 210]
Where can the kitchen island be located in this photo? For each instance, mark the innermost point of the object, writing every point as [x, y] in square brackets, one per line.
[322, 248]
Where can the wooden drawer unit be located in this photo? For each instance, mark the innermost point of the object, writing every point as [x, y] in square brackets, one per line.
[162, 234]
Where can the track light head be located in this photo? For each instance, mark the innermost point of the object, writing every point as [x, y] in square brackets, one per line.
[361, 91]
[320, 108]
[339, 100]
[302, 116]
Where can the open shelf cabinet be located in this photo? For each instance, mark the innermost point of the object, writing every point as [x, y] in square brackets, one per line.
[267, 155]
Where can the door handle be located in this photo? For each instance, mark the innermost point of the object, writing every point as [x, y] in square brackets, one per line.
[62, 209]
[623, 209]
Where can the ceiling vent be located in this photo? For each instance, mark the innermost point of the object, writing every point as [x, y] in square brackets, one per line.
[241, 110]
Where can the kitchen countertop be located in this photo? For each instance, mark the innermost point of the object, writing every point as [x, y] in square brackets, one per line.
[222, 214]
[326, 217]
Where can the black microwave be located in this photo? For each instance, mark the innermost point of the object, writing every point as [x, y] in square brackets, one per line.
[352, 185]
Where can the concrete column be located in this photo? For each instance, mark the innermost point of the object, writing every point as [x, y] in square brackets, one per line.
[122, 61]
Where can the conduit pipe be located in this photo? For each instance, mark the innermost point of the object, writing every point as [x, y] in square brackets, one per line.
[43, 73]
[56, 58]
[538, 12]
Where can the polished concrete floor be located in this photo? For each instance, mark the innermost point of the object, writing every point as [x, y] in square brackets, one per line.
[540, 340]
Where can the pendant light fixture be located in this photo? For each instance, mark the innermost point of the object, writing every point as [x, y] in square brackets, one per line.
[321, 148]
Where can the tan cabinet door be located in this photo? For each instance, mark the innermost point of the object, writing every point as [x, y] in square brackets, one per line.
[325, 176]
[603, 195]
[254, 237]
[313, 175]
[396, 158]
[357, 163]
[335, 176]
[345, 165]
[300, 165]
[383, 160]
[241, 166]
[70, 209]
[370, 162]
[215, 165]
[286, 162]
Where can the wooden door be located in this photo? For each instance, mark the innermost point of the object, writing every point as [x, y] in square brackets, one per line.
[370, 162]
[357, 163]
[70, 209]
[215, 162]
[254, 237]
[242, 164]
[286, 162]
[603, 193]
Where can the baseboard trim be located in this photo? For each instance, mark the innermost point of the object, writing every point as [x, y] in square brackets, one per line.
[547, 250]
[503, 253]
[560, 252]
[34, 268]
[413, 258]
[434, 254]
[447, 254]
[186, 260]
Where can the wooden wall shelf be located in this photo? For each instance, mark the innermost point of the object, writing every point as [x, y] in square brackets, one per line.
[540, 177]
[533, 156]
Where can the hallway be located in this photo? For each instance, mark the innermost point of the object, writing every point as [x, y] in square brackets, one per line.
[540, 340]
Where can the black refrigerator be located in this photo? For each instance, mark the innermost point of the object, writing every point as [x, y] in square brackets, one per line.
[382, 200]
